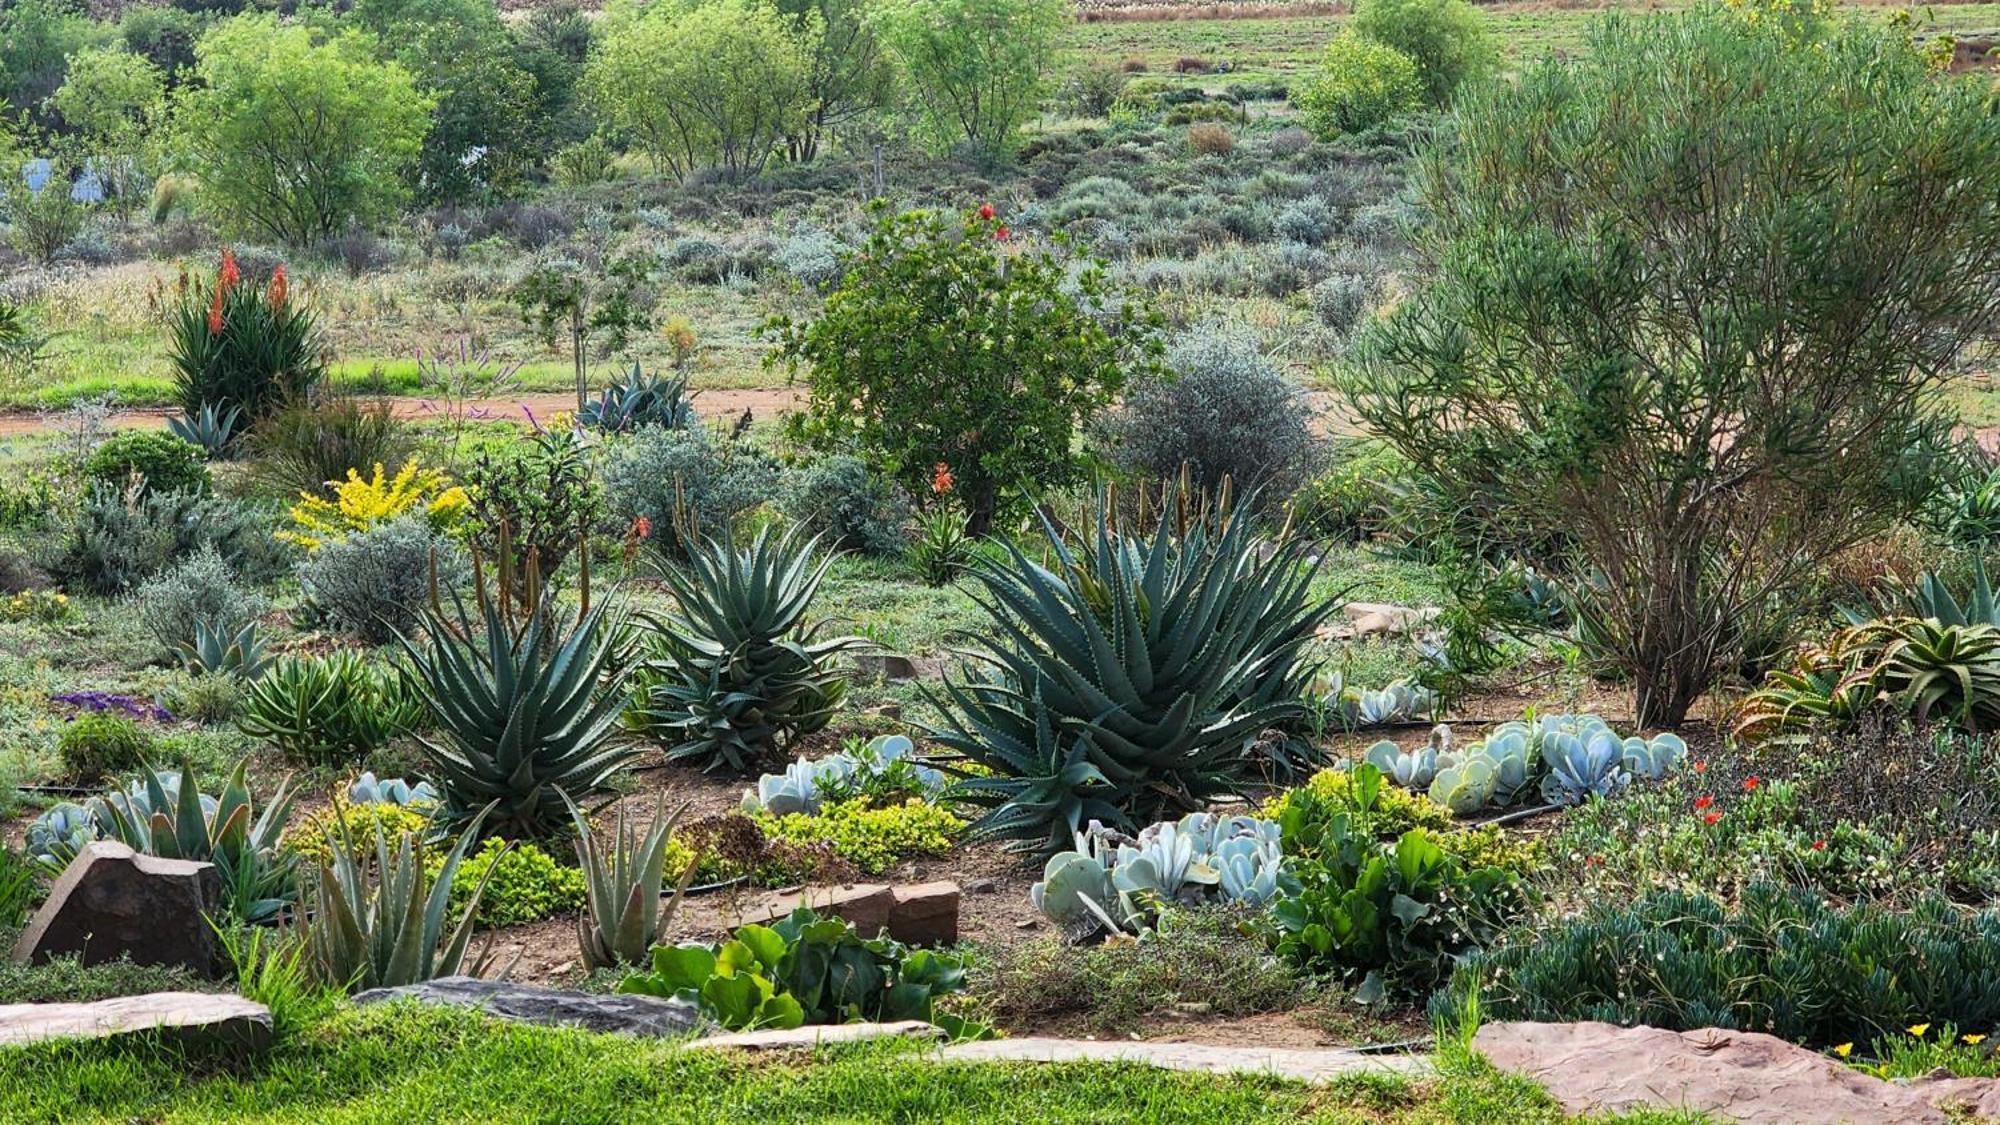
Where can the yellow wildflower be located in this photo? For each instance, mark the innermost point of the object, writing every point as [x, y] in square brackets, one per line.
[1918, 1029]
[360, 503]
[1973, 1040]
[1844, 1050]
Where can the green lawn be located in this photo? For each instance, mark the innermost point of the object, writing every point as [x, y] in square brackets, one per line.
[417, 1064]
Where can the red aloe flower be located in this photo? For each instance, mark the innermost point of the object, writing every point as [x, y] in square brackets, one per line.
[1703, 802]
[215, 313]
[279, 290]
[1001, 234]
[941, 479]
[230, 274]
[1750, 783]
[1819, 845]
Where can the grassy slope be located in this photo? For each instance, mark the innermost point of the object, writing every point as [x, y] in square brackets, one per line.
[370, 1065]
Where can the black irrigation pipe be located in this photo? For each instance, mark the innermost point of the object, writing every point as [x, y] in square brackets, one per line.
[59, 790]
[1424, 1044]
[1516, 816]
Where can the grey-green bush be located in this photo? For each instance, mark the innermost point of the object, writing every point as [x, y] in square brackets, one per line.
[1310, 221]
[200, 589]
[1338, 301]
[686, 481]
[839, 499]
[374, 584]
[1224, 409]
[121, 537]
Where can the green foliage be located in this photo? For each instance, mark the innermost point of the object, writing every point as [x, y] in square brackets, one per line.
[639, 399]
[533, 501]
[309, 444]
[872, 837]
[804, 970]
[623, 874]
[328, 710]
[99, 744]
[1784, 961]
[379, 915]
[1352, 498]
[1361, 85]
[159, 460]
[293, 136]
[313, 838]
[216, 653]
[1128, 680]
[198, 592]
[20, 890]
[1929, 669]
[941, 550]
[1447, 40]
[118, 538]
[522, 883]
[167, 815]
[1390, 918]
[738, 671]
[686, 484]
[232, 345]
[526, 705]
[1551, 214]
[41, 223]
[271, 968]
[213, 430]
[713, 85]
[67, 980]
[940, 348]
[372, 584]
[975, 70]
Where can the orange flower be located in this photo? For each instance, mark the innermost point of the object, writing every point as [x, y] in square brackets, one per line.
[230, 274]
[1703, 802]
[986, 211]
[941, 479]
[215, 313]
[1750, 783]
[280, 288]
[1711, 818]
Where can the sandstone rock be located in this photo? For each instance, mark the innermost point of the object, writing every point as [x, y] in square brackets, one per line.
[808, 1037]
[194, 1021]
[886, 666]
[1600, 1068]
[925, 914]
[1972, 1097]
[867, 905]
[1303, 1065]
[112, 902]
[553, 1007]
[1379, 618]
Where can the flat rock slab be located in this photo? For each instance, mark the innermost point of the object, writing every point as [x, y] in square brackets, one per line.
[809, 1037]
[620, 1013]
[914, 914]
[1973, 1097]
[195, 1021]
[1305, 1066]
[1600, 1068]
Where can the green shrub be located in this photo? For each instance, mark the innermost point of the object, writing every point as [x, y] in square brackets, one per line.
[312, 839]
[873, 838]
[1447, 40]
[373, 584]
[198, 591]
[901, 367]
[527, 884]
[118, 538]
[1784, 961]
[161, 461]
[231, 344]
[542, 492]
[328, 710]
[207, 699]
[1361, 85]
[804, 970]
[20, 889]
[1354, 496]
[99, 744]
[307, 446]
[67, 980]
[847, 505]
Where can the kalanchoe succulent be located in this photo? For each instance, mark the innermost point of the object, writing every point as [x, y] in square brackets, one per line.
[1583, 765]
[369, 790]
[804, 785]
[1117, 883]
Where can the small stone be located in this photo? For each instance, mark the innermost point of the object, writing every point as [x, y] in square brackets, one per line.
[112, 902]
[885, 666]
[622, 1013]
[194, 1021]
[867, 906]
[1027, 924]
[885, 711]
[925, 914]
[982, 887]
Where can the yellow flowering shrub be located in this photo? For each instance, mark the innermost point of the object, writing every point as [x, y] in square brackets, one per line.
[872, 839]
[37, 605]
[308, 839]
[360, 503]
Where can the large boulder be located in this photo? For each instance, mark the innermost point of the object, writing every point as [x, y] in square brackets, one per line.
[195, 1021]
[913, 913]
[553, 1007]
[113, 902]
[1601, 1068]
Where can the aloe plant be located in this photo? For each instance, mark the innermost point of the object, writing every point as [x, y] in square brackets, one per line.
[526, 701]
[739, 671]
[214, 650]
[623, 873]
[1126, 678]
[211, 429]
[168, 815]
[379, 918]
[641, 399]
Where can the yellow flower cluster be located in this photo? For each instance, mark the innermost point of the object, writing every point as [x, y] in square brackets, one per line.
[360, 503]
[36, 605]
[310, 838]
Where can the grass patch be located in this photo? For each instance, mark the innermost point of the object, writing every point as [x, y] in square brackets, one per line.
[428, 1064]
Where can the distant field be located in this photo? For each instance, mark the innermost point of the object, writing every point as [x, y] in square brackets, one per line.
[1281, 45]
